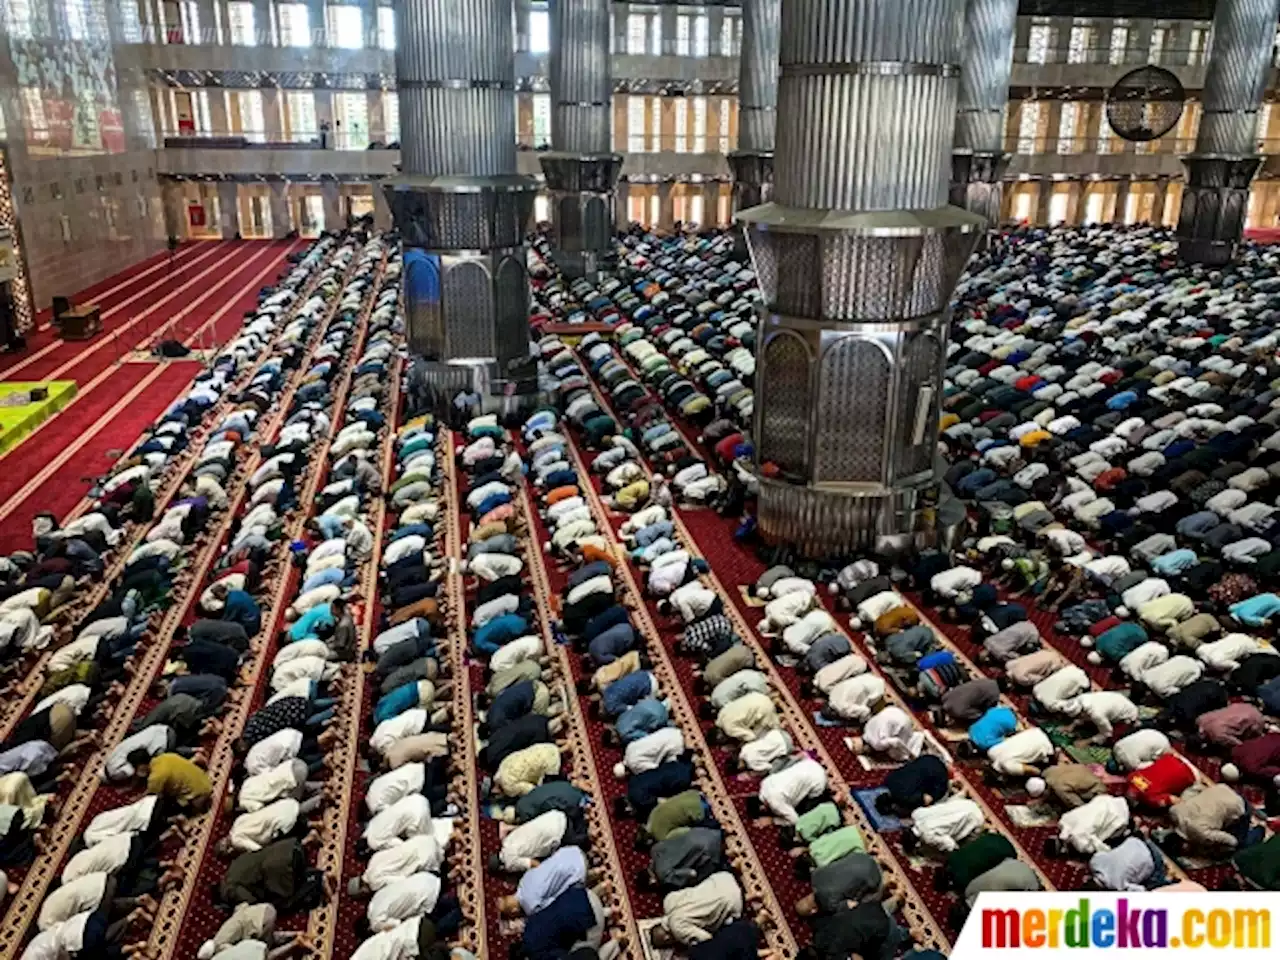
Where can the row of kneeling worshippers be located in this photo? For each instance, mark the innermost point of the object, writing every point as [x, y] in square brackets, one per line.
[1119, 452]
[125, 854]
[281, 782]
[414, 800]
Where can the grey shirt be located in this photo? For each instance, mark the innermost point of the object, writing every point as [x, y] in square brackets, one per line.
[855, 876]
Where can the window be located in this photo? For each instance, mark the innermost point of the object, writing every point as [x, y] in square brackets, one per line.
[18, 20]
[130, 21]
[682, 125]
[655, 125]
[696, 209]
[635, 124]
[1264, 122]
[1067, 128]
[295, 25]
[387, 28]
[1156, 52]
[636, 23]
[539, 31]
[699, 124]
[200, 115]
[1038, 44]
[300, 105]
[391, 115]
[240, 21]
[253, 124]
[33, 107]
[541, 120]
[78, 19]
[1058, 203]
[1199, 37]
[1081, 41]
[724, 125]
[655, 35]
[1106, 137]
[682, 36]
[1119, 44]
[701, 35]
[730, 35]
[351, 120]
[1028, 121]
[541, 208]
[655, 210]
[188, 22]
[346, 26]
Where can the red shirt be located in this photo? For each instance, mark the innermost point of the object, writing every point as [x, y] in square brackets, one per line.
[1259, 757]
[1102, 626]
[1162, 781]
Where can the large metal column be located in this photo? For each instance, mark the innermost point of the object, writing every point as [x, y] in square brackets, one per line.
[979, 161]
[857, 257]
[1216, 199]
[752, 162]
[459, 198]
[582, 169]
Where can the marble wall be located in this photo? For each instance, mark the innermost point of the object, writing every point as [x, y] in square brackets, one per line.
[81, 139]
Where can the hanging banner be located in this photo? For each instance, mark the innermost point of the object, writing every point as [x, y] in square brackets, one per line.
[195, 215]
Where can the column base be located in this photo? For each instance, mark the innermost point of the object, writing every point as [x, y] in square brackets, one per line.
[1215, 205]
[445, 380]
[752, 179]
[824, 523]
[581, 188]
[467, 280]
[977, 182]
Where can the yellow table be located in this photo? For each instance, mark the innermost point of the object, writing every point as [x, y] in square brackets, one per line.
[17, 423]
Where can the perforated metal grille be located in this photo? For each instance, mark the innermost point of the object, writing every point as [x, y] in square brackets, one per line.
[468, 307]
[784, 433]
[512, 321]
[852, 412]
[917, 383]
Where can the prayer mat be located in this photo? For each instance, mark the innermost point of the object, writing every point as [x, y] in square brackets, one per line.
[1081, 751]
[880, 822]
[1032, 815]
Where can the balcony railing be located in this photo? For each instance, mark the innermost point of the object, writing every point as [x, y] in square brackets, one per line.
[669, 143]
[1108, 146]
[1131, 56]
[275, 140]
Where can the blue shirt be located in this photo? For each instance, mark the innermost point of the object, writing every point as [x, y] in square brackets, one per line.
[241, 608]
[1175, 561]
[331, 527]
[604, 620]
[992, 727]
[1256, 610]
[498, 632]
[402, 698]
[307, 624]
[642, 719]
[626, 692]
[609, 645]
[332, 576]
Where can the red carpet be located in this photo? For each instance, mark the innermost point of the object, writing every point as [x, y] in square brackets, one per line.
[78, 436]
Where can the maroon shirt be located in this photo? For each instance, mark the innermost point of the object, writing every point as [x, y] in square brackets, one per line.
[1231, 725]
[1259, 757]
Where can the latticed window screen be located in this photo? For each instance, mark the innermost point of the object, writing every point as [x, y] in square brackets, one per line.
[855, 390]
[784, 434]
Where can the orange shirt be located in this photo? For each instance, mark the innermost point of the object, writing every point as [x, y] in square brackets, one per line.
[561, 493]
[592, 553]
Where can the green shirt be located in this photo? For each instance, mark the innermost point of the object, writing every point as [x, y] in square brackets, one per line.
[831, 846]
[821, 819]
[977, 857]
[676, 813]
[1261, 863]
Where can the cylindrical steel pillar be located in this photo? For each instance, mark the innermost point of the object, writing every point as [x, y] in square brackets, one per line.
[979, 161]
[1216, 199]
[857, 257]
[582, 168]
[752, 162]
[459, 198]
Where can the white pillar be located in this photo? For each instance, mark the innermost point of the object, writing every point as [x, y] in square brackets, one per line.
[229, 209]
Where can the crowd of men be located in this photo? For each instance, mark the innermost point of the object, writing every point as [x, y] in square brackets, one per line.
[153, 776]
[1111, 422]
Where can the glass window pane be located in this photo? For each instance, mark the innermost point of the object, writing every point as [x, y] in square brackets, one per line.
[1038, 44]
[346, 26]
[701, 35]
[655, 34]
[387, 28]
[635, 124]
[295, 25]
[699, 124]
[636, 33]
[682, 125]
[539, 31]
[1119, 44]
[391, 115]
[682, 36]
[240, 15]
[541, 120]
